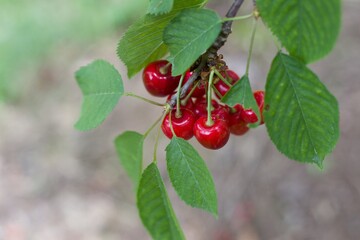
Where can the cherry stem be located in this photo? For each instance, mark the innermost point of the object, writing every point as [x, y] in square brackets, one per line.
[164, 69]
[157, 138]
[251, 48]
[209, 121]
[171, 126]
[178, 102]
[186, 99]
[130, 94]
[216, 91]
[156, 144]
[222, 78]
[152, 126]
[238, 18]
[190, 81]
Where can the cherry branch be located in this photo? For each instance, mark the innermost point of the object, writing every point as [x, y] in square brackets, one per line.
[225, 29]
[189, 83]
[211, 53]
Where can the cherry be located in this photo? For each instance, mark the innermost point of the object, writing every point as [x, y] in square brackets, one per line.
[200, 106]
[237, 124]
[260, 100]
[158, 80]
[249, 115]
[200, 88]
[214, 136]
[222, 87]
[189, 103]
[222, 112]
[219, 111]
[182, 125]
[232, 75]
[259, 96]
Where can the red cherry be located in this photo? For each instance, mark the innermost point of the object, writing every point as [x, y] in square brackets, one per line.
[222, 87]
[260, 99]
[249, 115]
[183, 125]
[237, 124]
[158, 80]
[199, 90]
[222, 112]
[200, 106]
[214, 136]
[189, 103]
[232, 75]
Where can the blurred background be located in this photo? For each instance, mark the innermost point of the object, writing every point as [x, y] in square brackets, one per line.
[57, 183]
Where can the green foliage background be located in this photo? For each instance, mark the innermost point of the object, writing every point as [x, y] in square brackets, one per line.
[31, 30]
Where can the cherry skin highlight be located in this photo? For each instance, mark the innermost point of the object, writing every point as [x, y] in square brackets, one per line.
[249, 116]
[214, 136]
[158, 80]
[183, 125]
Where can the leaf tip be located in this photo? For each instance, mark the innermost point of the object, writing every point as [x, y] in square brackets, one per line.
[81, 127]
[214, 212]
[319, 162]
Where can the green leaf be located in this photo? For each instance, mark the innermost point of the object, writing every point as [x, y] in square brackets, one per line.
[308, 29]
[129, 147]
[155, 208]
[301, 115]
[241, 93]
[143, 41]
[160, 6]
[102, 87]
[189, 35]
[190, 176]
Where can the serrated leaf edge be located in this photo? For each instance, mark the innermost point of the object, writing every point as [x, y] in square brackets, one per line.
[209, 208]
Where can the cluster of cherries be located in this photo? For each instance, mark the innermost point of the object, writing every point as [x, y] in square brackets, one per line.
[212, 131]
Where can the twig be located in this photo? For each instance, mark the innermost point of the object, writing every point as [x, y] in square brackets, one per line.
[225, 30]
[211, 53]
[188, 84]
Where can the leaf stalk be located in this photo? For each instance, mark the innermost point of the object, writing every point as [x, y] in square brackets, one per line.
[209, 121]
[130, 94]
[251, 48]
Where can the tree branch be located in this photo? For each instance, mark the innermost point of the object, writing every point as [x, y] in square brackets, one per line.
[211, 53]
[189, 83]
[225, 30]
